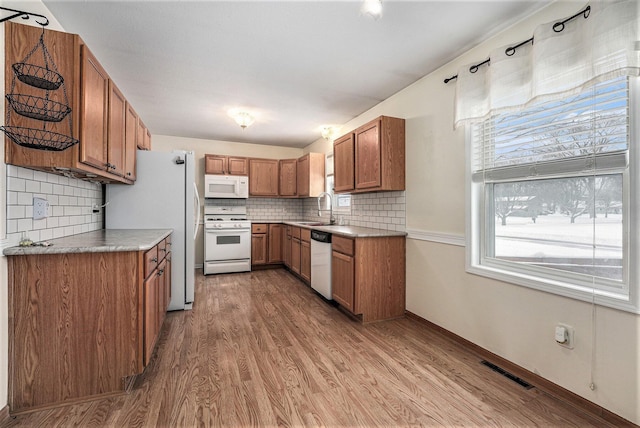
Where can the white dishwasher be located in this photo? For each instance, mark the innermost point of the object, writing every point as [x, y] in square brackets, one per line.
[321, 263]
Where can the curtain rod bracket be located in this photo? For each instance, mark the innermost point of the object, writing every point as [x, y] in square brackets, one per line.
[24, 15]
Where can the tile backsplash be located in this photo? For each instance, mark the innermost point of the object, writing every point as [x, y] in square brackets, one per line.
[380, 210]
[71, 203]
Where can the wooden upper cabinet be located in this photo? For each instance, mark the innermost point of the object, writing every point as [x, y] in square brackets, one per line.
[237, 166]
[343, 163]
[263, 177]
[368, 173]
[378, 157]
[141, 139]
[225, 165]
[116, 145]
[311, 175]
[130, 142]
[94, 111]
[98, 117]
[288, 176]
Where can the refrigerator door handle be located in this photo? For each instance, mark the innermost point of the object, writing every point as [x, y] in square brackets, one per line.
[197, 196]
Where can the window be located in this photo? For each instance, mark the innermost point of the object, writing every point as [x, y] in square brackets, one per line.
[550, 191]
[341, 202]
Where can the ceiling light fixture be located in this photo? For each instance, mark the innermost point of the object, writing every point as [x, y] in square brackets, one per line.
[372, 8]
[242, 118]
[327, 132]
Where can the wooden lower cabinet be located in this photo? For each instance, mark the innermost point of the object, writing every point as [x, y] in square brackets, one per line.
[368, 276]
[286, 246]
[258, 246]
[267, 244]
[305, 255]
[80, 324]
[295, 250]
[276, 234]
[342, 279]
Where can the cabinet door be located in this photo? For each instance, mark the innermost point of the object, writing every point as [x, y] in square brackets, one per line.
[237, 166]
[167, 282]
[295, 255]
[150, 316]
[286, 249]
[116, 131]
[303, 176]
[215, 164]
[305, 260]
[130, 142]
[162, 295]
[258, 248]
[263, 177]
[342, 279]
[343, 165]
[94, 111]
[144, 136]
[288, 168]
[367, 154]
[275, 243]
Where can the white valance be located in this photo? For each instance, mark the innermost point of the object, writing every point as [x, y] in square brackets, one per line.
[604, 45]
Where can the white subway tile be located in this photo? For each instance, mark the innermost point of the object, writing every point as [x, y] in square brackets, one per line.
[28, 211]
[25, 173]
[46, 234]
[12, 198]
[53, 222]
[25, 224]
[25, 198]
[15, 211]
[40, 176]
[46, 188]
[12, 226]
[40, 224]
[16, 184]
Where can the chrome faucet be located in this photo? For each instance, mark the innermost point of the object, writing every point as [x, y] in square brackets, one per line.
[328, 195]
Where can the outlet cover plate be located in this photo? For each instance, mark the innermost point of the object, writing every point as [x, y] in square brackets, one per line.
[40, 208]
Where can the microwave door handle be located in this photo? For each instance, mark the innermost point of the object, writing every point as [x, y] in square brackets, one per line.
[197, 201]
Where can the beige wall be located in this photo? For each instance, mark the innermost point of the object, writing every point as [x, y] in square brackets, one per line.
[512, 321]
[200, 147]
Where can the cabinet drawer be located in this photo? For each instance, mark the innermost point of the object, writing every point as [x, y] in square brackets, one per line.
[167, 243]
[305, 235]
[150, 261]
[342, 245]
[295, 232]
[258, 228]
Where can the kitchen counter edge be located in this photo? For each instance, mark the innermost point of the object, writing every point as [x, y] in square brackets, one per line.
[349, 231]
[97, 241]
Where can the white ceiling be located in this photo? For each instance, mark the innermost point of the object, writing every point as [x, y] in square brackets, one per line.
[297, 64]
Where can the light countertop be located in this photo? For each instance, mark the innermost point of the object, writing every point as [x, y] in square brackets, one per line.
[348, 231]
[98, 241]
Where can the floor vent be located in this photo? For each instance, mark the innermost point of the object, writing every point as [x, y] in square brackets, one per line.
[505, 373]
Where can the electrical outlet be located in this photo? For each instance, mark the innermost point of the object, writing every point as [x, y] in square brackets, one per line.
[40, 208]
[564, 335]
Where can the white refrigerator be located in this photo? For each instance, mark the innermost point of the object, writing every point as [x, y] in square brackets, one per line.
[164, 196]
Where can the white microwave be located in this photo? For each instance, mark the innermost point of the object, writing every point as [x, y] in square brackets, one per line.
[226, 186]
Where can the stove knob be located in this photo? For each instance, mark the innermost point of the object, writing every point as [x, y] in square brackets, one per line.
[236, 225]
[218, 225]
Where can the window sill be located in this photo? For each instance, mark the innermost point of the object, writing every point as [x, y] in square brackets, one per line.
[616, 301]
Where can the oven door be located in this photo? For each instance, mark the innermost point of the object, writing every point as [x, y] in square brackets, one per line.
[227, 244]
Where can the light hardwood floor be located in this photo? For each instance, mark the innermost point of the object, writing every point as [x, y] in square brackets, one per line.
[262, 349]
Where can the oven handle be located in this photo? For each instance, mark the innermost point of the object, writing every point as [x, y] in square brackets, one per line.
[246, 230]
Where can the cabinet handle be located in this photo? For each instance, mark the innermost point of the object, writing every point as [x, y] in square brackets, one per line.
[160, 272]
[162, 249]
[129, 174]
[155, 260]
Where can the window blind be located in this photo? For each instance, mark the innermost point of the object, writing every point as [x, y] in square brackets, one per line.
[585, 132]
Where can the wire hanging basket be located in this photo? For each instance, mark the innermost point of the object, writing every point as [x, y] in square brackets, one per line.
[39, 108]
[36, 76]
[38, 138]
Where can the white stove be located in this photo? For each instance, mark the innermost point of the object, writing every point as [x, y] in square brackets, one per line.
[227, 242]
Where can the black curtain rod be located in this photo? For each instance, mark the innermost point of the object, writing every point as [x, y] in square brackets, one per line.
[557, 27]
[24, 15]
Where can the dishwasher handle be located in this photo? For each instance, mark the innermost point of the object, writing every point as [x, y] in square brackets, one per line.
[319, 236]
